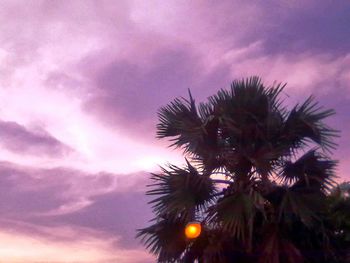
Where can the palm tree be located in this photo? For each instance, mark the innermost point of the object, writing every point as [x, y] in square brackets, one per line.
[257, 178]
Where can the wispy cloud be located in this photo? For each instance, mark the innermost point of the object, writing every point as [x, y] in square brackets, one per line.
[19, 139]
[65, 244]
[56, 208]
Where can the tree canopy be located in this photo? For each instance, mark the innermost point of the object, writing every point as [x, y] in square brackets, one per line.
[258, 177]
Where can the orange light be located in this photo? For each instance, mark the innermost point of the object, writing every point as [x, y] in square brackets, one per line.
[193, 230]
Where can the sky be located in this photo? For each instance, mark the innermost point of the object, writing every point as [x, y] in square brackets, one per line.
[80, 85]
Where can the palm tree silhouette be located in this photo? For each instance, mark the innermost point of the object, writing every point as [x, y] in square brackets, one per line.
[257, 178]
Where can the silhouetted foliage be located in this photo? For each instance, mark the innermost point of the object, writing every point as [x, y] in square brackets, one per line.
[257, 177]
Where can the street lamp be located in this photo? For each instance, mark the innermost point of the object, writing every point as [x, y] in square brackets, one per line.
[193, 230]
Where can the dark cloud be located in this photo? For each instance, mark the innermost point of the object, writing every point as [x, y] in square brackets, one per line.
[132, 91]
[319, 27]
[117, 203]
[118, 214]
[20, 139]
[24, 191]
[129, 94]
[282, 26]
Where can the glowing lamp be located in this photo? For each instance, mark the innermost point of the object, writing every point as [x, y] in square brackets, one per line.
[193, 230]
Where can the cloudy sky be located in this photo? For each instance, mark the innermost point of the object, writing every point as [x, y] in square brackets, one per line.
[80, 85]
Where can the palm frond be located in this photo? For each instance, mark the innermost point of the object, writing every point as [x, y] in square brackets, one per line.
[235, 212]
[209, 247]
[180, 191]
[305, 122]
[290, 205]
[180, 121]
[196, 134]
[311, 170]
[250, 117]
[165, 239]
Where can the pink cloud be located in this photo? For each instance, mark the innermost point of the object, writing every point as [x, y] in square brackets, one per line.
[89, 76]
[36, 202]
[303, 72]
[65, 244]
[19, 139]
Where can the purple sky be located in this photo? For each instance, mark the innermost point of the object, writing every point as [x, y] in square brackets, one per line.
[80, 85]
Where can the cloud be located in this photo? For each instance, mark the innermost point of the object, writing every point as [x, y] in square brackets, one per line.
[137, 57]
[218, 43]
[19, 139]
[43, 204]
[32, 191]
[118, 213]
[81, 84]
[304, 73]
[130, 94]
[73, 245]
[302, 26]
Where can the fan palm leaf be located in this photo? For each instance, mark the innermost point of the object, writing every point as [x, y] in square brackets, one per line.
[165, 239]
[305, 122]
[181, 191]
[234, 213]
[311, 170]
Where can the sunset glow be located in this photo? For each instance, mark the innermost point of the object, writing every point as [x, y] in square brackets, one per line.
[81, 82]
